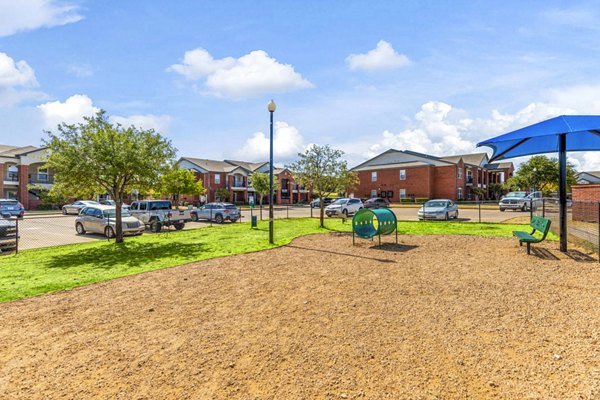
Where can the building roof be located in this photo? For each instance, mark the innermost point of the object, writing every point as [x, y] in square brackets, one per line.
[498, 166]
[472, 159]
[595, 174]
[211, 165]
[14, 151]
[407, 164]
[247, 165]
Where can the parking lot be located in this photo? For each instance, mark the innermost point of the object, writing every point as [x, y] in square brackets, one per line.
[48, 230]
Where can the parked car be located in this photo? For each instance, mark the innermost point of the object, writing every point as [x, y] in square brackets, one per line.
[12, 208]
[159, 213]
[520, 201]
[438, 209]
[113, 203]
[76, 207]
[316, 203]
[218, 212]
[102, 219]
[8, 235]
[344, 206]
[376, 202]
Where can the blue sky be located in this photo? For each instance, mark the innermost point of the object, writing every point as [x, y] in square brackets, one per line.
[430, 76]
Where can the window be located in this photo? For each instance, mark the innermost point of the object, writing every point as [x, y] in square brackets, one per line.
[460, 173]
[43, 174]
[460, 194]
[402, 174]
[217, 179]
[373, 192]
[374, 176]
[402, 193]
[143, 206]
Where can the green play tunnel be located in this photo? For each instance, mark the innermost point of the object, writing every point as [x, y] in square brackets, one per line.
[368, 223]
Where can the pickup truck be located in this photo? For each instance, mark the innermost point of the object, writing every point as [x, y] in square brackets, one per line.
[159, 213]
[520, 201]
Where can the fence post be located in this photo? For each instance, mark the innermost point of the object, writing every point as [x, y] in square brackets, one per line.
[17, 238]
[311, 210]
[543, 208]
[479, 203]
[530, 210]
[287, 212]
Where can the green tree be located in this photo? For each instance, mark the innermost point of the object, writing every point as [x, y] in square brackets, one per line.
[322, 169]
[223, 194]
[496, 190]
[177, 181]
[477, 192]
[540, 173]
[260, 183]
[106, 158]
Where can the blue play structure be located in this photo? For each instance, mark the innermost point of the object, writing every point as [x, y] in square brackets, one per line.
[368, 223]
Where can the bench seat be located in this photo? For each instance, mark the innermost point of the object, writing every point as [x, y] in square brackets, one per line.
[538, 224]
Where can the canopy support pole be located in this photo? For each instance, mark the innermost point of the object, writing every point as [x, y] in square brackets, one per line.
[562, 189]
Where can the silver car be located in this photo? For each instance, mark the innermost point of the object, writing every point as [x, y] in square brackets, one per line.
[344, 206]
[102, 219]
[77, 206]
[218, 212]
[438, 209]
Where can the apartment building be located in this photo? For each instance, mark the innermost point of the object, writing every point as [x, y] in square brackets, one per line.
[21, 167]
[400, 174]
[234, 176]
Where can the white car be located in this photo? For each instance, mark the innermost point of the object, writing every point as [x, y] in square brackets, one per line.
[76, 207]
[343, 206]
[102, 219]
[438, 209]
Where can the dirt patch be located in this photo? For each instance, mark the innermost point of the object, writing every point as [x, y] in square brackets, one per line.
[433, 317]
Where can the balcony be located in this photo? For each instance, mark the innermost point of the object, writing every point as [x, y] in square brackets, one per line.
[41, 179]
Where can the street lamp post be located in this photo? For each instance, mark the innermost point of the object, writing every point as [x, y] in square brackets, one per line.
[271, 107]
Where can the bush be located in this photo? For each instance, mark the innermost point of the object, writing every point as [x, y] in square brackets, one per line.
[406, 200]
[421, 199]
[47, 206]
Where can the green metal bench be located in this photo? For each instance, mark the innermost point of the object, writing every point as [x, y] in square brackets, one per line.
[538, 224]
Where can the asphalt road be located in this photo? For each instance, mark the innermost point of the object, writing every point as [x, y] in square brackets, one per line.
[49, 230]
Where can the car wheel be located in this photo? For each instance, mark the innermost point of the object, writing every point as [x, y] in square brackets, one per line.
[219, 219]
[194, 217]
[79, 228]
[64, 211]
[155, 226]
[109, 232]
[447, 217]
[345, 212]
[524, 208]
[502, 209]
[179, 226]
[456, 215]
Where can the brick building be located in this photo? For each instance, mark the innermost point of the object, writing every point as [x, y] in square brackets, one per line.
[234, 176]
[397, 174]
[21, 167]
[586, 200]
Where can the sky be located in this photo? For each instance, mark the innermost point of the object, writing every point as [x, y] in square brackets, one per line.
[362, 76]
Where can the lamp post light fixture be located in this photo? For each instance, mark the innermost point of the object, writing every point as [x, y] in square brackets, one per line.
[271, 107]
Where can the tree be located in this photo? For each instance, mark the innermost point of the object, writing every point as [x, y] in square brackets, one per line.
[223, 194]
[260, 183]
[496, 190]
[322, 169]
[177, 181]
[477, 192]
[107, 158]
[540, 173]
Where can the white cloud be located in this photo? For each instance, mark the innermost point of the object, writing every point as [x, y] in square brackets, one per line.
[251, 75]
[160, 123]
[287, 143]
[15, 73]
[80, 70]
[23, 15]
[381, 57]
[71, 111]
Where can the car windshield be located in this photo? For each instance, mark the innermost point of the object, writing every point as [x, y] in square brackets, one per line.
[516, 194]
[90, 203]
[340, 201]
[112, 213]
[436, 203]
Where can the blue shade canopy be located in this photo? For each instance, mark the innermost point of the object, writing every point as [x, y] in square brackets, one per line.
[583, 134]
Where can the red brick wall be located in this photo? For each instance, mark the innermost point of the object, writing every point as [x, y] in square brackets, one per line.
[418, 182]
[587, 212]
[445, 182]
[23, 181]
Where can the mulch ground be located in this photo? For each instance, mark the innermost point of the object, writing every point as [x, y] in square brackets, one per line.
[435, 317]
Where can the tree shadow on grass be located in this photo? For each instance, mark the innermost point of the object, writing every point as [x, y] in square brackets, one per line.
[130, 254]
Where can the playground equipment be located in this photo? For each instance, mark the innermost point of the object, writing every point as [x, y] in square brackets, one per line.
[368, 223]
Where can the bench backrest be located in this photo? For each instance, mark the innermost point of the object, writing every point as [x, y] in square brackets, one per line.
[540, 224]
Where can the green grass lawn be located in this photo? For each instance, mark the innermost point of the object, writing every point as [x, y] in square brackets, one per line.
[33, 272]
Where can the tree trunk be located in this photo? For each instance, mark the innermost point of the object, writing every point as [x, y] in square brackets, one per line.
[119, 219]
[261, 201]
[322, 211]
